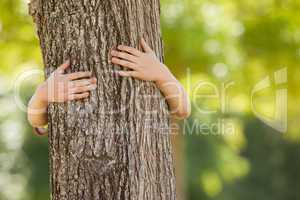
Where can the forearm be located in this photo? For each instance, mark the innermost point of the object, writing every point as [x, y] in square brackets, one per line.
[175, 95]
[37, 109]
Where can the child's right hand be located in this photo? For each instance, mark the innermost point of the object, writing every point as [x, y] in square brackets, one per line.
[60, 87]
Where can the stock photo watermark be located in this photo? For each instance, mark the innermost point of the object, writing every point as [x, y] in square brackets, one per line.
[197, 92]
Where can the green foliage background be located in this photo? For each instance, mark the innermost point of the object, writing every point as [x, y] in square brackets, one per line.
[216, 41]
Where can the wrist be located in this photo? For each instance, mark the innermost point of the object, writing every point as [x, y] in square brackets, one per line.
[165, 77]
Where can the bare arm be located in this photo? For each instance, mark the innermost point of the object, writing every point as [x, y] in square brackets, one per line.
[59, 87]
[176, 96]
[37, 108]
[146, 66]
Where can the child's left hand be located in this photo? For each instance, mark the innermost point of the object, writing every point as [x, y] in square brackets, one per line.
[144, 65]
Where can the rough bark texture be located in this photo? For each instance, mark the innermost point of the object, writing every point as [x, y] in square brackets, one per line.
[114, 145]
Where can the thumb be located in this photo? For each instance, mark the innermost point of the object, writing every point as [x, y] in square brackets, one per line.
[145, 46]
[61, 69]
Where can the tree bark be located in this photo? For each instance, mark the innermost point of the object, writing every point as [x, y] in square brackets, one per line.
[114, 145]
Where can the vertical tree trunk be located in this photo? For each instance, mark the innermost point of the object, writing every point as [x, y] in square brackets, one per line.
[115, 145]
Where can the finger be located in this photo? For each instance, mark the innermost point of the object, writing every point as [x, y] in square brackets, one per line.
[130, 50]
[82, 89]
[127, 73]
[125, 56]
[83, 82]
[79, 75]
[145, 46]
[78, 96]
[61, 69]
[124, 63]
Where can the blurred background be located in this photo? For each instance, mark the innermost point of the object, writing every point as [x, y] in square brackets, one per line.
[227, 153]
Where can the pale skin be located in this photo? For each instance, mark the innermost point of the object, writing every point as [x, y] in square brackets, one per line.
[143, 65]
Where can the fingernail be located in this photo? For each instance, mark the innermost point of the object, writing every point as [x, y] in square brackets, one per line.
[93, 80]
[115, 73]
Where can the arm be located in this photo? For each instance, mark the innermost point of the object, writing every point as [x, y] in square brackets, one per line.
[59, 87]
[146, 66]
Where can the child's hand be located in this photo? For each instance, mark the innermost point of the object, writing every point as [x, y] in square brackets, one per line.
[60, 87]
[144, 65]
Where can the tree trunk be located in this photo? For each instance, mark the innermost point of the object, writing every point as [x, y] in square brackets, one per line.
[115, 144]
